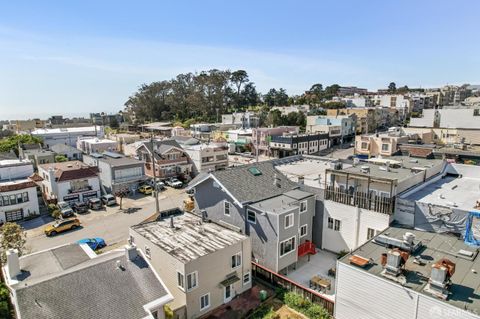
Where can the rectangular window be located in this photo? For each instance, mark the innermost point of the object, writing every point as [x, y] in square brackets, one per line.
[385, 147]
[288, 221]
[287, 246]
[337, 225]
[370, 233]
[205, 301]
[19, 198]
[180, 280]
[330, 222]
[226, 208]
[334, 224]
[25, 197]
[236, 260]
[147, 252]
[251, 216]
[364, 145]
[192, 280]
[303, 206]
[303, 230]
[246, 278]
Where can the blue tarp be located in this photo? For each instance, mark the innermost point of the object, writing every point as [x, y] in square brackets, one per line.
[472, 231]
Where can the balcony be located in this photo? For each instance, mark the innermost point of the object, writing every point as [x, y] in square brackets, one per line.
[79, 190]
[307, 248]
[380, 204]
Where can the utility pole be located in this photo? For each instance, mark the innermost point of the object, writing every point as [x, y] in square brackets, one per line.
[155, 191]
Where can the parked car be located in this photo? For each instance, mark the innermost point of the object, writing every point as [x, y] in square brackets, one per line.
[61, 226]
[146, 189]
[93, 243]
[63, 205]
[109, 200]
[174, 182]
[80, 207]
[95, 203]
[67, 212]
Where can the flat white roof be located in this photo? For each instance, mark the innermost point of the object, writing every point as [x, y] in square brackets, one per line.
[46, 131]
[15, 162]
[95, 140]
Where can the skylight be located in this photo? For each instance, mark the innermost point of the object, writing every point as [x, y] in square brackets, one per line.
[254, 171]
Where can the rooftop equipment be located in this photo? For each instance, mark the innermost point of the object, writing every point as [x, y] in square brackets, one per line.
[440, 278]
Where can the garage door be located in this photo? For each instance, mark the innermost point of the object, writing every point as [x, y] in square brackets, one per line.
[14, 215]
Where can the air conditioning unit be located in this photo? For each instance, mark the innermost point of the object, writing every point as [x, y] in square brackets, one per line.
[393, 263]
[440, 278]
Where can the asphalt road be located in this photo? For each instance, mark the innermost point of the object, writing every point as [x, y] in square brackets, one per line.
[111, 225]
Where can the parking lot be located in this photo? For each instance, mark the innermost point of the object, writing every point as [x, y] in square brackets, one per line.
[111, 224]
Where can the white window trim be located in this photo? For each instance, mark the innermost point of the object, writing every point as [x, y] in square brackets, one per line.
[241, 260]
[306, 206]
[285, 221]
[255, 214]
[306, 230]
[229, 208]
[249, 278]
[200, 301]
[186, 281]
[291, 251]
[183, 276]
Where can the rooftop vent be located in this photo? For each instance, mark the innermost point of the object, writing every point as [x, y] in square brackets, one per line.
[393, 263]
[440, 278]
[365, 169]
[406, 244]
[276, 180]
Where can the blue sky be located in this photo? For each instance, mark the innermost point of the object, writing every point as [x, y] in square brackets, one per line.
[76, 57]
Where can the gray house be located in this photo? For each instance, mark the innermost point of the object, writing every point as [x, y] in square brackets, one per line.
[68, 151]
[117, 172]
[262, 203]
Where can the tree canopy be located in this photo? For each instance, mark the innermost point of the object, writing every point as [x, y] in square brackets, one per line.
[12, 236]
[11, 143]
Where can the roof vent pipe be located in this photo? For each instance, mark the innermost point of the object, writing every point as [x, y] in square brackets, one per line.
[172, 225]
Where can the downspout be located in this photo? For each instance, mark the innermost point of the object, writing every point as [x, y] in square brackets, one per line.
[357, 228]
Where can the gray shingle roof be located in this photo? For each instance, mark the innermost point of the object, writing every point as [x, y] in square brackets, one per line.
[96, 288]
[62, 148]
[163, 146]
[246, 187]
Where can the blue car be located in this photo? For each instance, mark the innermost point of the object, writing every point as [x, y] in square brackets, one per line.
[94, 243]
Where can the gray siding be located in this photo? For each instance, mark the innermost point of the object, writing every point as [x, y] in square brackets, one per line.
[317, 227]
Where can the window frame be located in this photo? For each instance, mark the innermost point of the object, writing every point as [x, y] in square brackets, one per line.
[234, 264]
[337, 225]
[254, 215]
[208, 299]
[288, 217]
[294, 248]
[306, 230]
[182, 276]
[304, 202]
[249, 278]
[195, 274]
[225, 204]
[371, 230]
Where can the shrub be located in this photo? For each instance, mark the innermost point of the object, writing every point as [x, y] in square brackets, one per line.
[56, 213]
[305, 306]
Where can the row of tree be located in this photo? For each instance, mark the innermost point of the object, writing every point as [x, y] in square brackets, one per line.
[208, 94]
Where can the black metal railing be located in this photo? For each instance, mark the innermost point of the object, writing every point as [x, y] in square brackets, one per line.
[381, 204]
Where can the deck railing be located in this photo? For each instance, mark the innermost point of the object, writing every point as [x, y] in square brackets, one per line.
[381, 204]
[278, 280]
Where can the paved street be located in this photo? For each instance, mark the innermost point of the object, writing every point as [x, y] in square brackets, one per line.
[112, 224]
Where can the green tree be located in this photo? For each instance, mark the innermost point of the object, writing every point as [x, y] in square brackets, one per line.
[331, 91]
[11, 143]
[114, 123]
[274, 118]
[392, 87]
[238, 78]
[12, 237]
[60, 158]
[281, 99]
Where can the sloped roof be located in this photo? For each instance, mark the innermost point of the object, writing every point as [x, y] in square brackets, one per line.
[62, 148]
[246, 186]
[66, 171]
[162, 147]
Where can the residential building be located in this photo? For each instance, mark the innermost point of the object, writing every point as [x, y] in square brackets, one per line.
[350, 90]
[368, 119]
[202, 131]
[243, 120]
[208, 157]
[163, 129]
[262, 136]
[262, 203]
[293, 144]
[70, 152]
[320, 123]
[382, 144]
[70, 182]
[450, 126]
[399, 102]
[38, 156]
[18, 190]
[96, 145]
[25, 126]
[72, 281]
[67, 135]
[171, 160]
[203, 264]
[238, 138]
[106, 119]
[360, 200]
[117, 172]
[405, 273]
[285, 110]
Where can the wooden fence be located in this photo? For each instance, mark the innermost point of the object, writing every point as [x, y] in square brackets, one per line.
[381, 204]
[280, 281]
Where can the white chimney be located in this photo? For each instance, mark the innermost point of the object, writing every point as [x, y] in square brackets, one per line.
[130, 252]
[13, 263]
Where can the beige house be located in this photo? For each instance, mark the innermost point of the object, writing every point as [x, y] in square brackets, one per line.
[203, 264]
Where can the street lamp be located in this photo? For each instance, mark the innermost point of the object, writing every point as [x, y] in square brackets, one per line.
[157, 208]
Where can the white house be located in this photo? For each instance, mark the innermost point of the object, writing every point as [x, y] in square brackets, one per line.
[69, 181]
[67, 135]
[96, 145]
[208, 157]
[18, 191]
